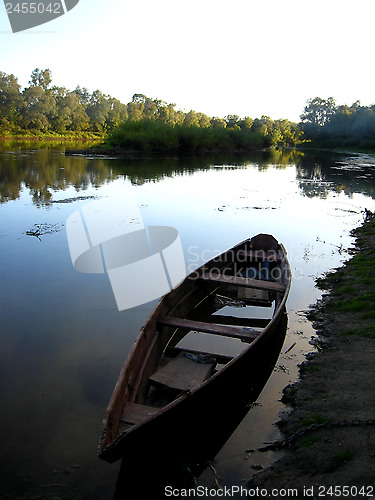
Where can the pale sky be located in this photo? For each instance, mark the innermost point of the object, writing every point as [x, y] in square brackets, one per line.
[244, 57]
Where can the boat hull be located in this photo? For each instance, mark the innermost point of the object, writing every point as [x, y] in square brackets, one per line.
[197, 407]
[187, 419]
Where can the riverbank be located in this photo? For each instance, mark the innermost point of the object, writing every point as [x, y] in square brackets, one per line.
[36, 135]
[330, 432]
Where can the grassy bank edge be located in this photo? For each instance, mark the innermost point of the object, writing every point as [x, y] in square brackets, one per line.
[330, 403]
[351, 287]
[51, 136]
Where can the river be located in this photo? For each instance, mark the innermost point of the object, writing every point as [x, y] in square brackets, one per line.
[63, 339]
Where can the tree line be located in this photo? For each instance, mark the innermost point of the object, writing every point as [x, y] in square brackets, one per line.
[43, 107]
[149, 124]
[327, 124]
[46, 108]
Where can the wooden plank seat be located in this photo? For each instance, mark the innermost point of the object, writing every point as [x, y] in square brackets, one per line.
[135, 413]
[237, 320]
[248, 282]
[237, 332]
[222, 359]
[182, 373]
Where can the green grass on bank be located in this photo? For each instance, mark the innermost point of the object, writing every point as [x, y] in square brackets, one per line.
[37, 135]
[352, 287]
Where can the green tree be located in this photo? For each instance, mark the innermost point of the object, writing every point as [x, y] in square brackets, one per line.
[41, 78]
[204, 121]
[62, 120]
[218, 123]
[176, 117]
[80, 119]
[163, 112]
[167, 113]
[136, 107]
[232, 121]
[117, 112]
[39, 110]
[98, 110]
[291, 134]
[70, 114]
[11, 100]
[139, 99]
[191, 119]
[246, 123]
[83, 95]
[263, 125]
[318, 112]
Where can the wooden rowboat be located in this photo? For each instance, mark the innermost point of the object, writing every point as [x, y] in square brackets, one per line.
[193, 449]
[170, 375]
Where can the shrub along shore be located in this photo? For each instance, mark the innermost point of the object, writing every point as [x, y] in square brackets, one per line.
[330, 432]
[147, 136]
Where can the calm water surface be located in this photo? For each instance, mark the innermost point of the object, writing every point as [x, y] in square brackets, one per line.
[63, 340]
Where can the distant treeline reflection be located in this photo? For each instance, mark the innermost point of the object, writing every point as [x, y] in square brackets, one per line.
[43, 172]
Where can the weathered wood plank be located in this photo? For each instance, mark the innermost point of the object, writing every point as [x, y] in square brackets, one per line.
[222, 359]
[182, 373]
[222, 319]
[249, 282]
[135, 413]
[241, 333]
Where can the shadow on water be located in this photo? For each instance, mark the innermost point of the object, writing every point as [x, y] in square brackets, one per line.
[186, 453]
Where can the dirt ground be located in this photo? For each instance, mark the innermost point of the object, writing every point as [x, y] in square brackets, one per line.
[330, 432]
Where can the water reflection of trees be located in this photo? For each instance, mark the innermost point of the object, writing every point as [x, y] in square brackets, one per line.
[44, 168]
[43, 171]
[321, 173]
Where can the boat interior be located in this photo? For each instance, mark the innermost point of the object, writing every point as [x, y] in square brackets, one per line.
[236, 306]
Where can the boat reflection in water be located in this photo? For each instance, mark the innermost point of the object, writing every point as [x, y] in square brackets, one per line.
[185, 451]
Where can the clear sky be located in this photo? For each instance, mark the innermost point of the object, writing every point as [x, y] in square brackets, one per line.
[244, 57]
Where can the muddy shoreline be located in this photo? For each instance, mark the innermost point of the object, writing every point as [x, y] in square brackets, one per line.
[329, 434]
